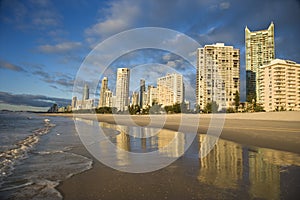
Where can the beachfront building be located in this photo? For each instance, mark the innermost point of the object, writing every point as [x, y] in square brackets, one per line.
[74, 102]
[260, 50]
[103, 89]
[122, 89]
[170, 89]
[152, 95]
[142, 92]
[218, 75]
[135, 99]
[280, 85]
[85, 103]
[86, 92]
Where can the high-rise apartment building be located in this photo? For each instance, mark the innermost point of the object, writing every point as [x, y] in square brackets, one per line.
[218, 75]
[86, 92]
[152, 95]
[170, 89]
[280, 85]
[260, 50]
[122, 89]
[103, 89]
[74, 102]
[142, 91]
[135, 99]
[108, 98]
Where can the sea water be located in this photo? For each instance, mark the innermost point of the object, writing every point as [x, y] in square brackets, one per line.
[35, 155]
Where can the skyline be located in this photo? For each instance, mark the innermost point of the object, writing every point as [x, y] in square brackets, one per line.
[43, 43]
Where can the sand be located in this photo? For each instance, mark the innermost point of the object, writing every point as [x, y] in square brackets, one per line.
[275, 130]
[279, 131]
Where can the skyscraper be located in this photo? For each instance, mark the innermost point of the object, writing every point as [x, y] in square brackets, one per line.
[142, 91]
[260, 50]
[86, 92]
[218, 75]
[104, 87]
[135, 98]
[152, 95]
[122, 89]
[170, 89]
[74, 103]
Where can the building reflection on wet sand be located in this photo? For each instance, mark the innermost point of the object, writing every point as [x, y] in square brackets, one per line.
[230, 165]
[259, 172]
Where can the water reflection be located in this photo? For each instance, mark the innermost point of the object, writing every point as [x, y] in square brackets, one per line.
[257, 172]
[138, 139]
[230, 165]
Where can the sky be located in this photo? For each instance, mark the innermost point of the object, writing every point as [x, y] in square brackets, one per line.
[43, 43]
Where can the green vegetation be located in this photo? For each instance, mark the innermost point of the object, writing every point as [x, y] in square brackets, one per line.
[211, 107]
[133, 110]
[237, 101]
[104, 110]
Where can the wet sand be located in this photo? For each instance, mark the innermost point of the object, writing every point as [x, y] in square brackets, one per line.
[183, 179]
[275, 130]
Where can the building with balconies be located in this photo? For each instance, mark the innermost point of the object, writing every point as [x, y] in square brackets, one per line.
[280, 85]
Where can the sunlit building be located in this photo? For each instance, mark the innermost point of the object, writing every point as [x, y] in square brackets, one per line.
[260, 50]
[135, 99]
[122, 89]
[280, 85]
[103, 89]
[170, 89]
[152, 95]
[218, 75]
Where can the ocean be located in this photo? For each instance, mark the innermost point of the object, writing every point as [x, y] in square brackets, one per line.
[35, 155]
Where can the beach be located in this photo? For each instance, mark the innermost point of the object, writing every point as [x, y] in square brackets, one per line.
[275, 130]
[232, 170]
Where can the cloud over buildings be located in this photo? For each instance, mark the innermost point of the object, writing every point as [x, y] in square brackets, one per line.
[31, 100]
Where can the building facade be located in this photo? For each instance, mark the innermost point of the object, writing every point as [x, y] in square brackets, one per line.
[170, 89]
[280, 85]
[86, 92]
[152, 95]
[218, 75]
[103, 89]
[122, 89]
[135, 99]
[260, 50]
[142, 91]
[74, 102]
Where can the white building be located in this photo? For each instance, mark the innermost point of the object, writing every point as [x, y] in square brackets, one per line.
[152, 95]
[218, 75]
[122, 89]
[170, 89]
[280, 85]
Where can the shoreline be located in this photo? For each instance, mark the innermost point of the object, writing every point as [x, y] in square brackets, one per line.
[102, 182]
[274, 130]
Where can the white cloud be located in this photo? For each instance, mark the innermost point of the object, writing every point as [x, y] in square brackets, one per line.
[224, 5]
[60, 48]
[120, 16]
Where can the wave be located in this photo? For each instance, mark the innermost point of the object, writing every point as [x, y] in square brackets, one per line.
[10, 157]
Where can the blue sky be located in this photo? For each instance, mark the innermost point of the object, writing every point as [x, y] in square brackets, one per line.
[43, 43]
